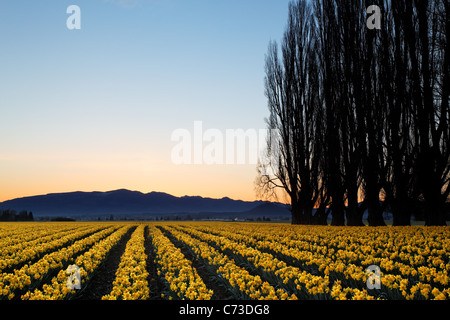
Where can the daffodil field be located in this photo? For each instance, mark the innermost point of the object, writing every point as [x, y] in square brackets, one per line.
[221, 260]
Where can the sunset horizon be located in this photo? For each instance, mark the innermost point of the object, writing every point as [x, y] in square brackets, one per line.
[93, 92]
[178, 195]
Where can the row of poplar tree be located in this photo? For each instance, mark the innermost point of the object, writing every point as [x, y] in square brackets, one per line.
[362, 114]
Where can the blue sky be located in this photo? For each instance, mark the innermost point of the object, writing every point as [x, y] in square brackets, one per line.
[94, 109]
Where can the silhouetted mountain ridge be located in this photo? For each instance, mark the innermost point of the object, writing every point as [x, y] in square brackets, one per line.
[129, 203]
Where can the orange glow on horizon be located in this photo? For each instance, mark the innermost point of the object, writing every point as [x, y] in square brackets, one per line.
[9, 194]
[233, 182]
[38, 174]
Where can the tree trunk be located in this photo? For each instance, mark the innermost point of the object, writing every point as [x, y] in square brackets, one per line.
[296, 212]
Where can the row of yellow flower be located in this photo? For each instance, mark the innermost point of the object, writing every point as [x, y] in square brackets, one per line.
[13, 233]
[363, 243]
[398, 244]
[22, 277]
[277, 240]
[399, 275]
[409, 245]
[42, 242]
[281, 268]
[16, 234]
[178, 271]
[303, 261]
[131, 276]
[238, 278]
[344, 293]
[291, 278]
[19, 279]
[87, 263]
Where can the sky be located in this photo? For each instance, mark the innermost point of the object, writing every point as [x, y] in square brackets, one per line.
[95, 108]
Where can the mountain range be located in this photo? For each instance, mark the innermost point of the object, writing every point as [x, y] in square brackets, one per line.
[124, 203]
